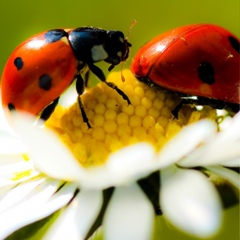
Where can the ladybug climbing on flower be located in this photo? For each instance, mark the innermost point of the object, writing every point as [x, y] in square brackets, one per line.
[197, 60]
[42, 67]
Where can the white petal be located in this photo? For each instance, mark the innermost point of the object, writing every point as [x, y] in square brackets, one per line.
[131, 163]
[232, 131]
[185, 142]
[36, 205]
[9, 158]
[134, 158]
[213, 153]
[15, 170]
[230, 153]
[10, 144]
[228, 141]
[4, 190]
[190, 202]
[4, 126]
[75, 221]
[124, 166]
[49, 154]
[18, 193]
[223, 148]
[8, 139]
[228, 174]
[129, 215]
[231, 163]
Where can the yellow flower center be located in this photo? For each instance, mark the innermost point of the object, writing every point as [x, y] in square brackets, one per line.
[115, 124]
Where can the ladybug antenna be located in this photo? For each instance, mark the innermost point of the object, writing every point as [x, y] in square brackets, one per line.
[130, 28]
[127, 37]
[122, 77]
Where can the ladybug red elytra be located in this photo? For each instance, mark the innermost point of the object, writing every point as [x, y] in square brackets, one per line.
[197, 60]
[42, 67]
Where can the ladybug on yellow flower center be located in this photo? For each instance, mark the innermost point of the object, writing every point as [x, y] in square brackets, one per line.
[42, 67]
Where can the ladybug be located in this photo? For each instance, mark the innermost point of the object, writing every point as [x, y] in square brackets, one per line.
[200, 63]
[42, 67]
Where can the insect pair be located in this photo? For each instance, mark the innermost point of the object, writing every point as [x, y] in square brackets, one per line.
[196, 60]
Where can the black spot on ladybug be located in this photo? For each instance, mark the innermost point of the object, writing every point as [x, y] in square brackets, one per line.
[18, 62]
[206, 72]
[55, 35]
[11, 107]
[45, 82]
[235, 43]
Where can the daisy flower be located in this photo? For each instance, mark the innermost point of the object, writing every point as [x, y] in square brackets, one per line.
[136, 162]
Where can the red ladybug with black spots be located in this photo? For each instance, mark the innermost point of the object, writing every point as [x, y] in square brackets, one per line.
[198, 60]
[42, 67]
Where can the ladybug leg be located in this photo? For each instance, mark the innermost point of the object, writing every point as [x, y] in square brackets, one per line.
[119, 91]
[111, 67]
[184, 100]
[80, 89]
[99, 73]
[178, 107]
[46, 113]
[214, 103]
[86, 79]
[82, 67]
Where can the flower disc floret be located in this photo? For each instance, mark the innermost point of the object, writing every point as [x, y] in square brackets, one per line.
[115, 124]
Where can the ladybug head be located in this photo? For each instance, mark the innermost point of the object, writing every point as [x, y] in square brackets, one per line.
[117, 48]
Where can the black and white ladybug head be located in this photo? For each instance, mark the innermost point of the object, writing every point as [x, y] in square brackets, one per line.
[117, 48]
